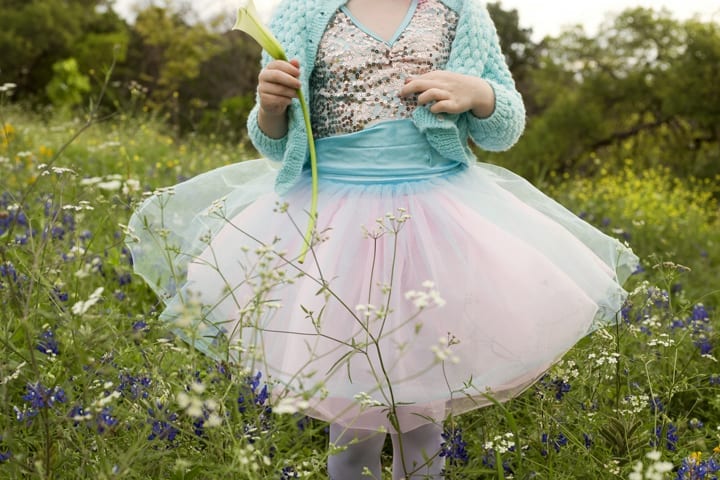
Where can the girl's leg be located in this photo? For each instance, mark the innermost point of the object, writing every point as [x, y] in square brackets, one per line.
[363, 450]
[417, 445]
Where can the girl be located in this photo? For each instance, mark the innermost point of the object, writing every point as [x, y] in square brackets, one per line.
[435, 284]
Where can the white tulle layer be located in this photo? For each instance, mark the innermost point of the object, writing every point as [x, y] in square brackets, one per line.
[517, 280]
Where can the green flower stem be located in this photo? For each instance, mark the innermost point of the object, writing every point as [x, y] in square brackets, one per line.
[313, 169]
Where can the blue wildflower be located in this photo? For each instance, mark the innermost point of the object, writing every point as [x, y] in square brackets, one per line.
[105, 420]
[453, 448]
[47, 344]
[288, 472]
[559, 441]
[692, 468]
[561, 388]
[162, 424]
[77, 413]
[670, 438]
[40, 396]
[656, 405]
[489, 460]
[59, 294]
[695, 424]
[139, 326]
[714, 380]
[133, 387]
[6, 454]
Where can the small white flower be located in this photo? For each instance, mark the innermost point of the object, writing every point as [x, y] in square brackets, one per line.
[289, 405]
[81, 307]
[110, 186]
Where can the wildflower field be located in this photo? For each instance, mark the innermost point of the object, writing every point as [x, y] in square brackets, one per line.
[93, 385]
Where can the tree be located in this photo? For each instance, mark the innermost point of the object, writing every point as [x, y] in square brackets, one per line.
[642, 89]
[35, 34]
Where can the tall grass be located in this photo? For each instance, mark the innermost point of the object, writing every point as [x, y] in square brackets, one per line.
[94, 386]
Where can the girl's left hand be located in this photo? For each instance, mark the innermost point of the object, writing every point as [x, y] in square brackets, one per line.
[452, 93]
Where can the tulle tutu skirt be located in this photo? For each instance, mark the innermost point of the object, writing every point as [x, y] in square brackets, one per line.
[431, 286]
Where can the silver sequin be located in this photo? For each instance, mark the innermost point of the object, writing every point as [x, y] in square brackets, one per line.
[357, 77]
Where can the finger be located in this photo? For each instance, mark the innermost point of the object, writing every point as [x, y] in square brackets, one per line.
[276, 90]
[278, 77]
[445, 106]
[417, 85]
[291, 67]
[433, 95]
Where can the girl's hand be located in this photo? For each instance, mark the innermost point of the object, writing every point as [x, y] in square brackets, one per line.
[452, 93]
[278, 83]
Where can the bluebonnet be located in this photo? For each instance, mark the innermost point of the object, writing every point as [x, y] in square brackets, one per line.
[670, 438]
[490, 461]
[695, 424]
[7, 270]
[588, 440]
[105, 420]
[133, 386]
[39, 396]
[559, 441]
[656, 405]
[163, 427]
[561, 388]
[692, 468]
[453, 448]
[59, 294]
[140, 325]
[258, 397]
[287, 473]
[47, 343]
[6, 454]
[77, 413]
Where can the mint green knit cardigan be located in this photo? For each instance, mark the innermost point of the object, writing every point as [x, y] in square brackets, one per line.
[299, 26]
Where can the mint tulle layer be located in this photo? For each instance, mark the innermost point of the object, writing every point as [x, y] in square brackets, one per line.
[517, 279]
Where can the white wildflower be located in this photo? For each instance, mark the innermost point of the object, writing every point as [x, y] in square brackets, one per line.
[81, 307]
[14, 375]
[110, 185]
[366, 401]
[289, 405]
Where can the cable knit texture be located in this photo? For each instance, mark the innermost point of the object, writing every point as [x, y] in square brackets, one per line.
[299, 26]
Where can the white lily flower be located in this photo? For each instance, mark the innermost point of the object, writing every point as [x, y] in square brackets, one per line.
[248, 21]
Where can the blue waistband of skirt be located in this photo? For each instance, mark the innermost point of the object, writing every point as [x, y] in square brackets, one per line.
[388, 152]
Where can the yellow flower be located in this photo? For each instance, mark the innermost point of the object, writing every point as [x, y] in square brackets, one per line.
[696, 456]
[716, 449]
[45, 151]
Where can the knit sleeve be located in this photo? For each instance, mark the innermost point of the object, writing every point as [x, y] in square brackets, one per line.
[288, 17]
[504, 126]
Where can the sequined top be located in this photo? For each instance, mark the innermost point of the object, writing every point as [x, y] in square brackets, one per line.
[357, 75]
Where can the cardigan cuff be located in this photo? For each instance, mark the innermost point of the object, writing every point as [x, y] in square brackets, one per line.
[272, 148]
[504, 126]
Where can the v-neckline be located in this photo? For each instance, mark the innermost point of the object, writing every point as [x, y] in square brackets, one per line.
[398, 32]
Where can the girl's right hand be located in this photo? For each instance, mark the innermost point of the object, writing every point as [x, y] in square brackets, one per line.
[278, 83]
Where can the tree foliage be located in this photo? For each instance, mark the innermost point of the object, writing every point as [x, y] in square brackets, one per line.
[35, 34]
[642, 88]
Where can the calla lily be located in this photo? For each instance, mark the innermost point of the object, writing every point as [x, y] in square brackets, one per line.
[249, 22]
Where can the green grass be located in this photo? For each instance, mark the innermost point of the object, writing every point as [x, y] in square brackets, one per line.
[101, 390]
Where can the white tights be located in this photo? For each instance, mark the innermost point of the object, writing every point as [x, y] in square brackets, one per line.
[364, 448]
